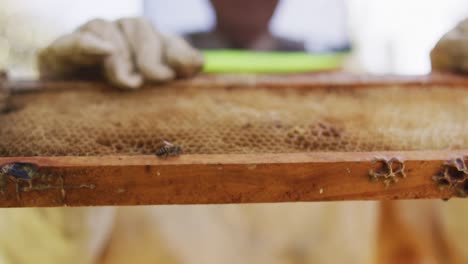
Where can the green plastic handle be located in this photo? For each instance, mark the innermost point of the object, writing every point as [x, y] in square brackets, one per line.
[240, 61]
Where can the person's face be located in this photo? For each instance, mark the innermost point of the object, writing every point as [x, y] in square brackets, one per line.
[244, 15]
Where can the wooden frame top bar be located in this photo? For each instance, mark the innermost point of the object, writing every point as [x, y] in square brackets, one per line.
[303, 80]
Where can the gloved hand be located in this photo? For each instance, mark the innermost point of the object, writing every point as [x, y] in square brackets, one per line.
[126, 52]
[451, 52]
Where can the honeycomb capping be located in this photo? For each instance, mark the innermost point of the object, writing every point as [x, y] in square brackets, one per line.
[389, 170]
[453, 175]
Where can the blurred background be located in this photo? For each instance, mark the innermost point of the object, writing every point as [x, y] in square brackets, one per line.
[385, 36]
[379, 36]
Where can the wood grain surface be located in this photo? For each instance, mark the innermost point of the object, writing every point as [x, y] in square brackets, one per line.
[205, 179]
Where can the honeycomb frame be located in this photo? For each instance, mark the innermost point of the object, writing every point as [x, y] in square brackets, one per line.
[237, 115]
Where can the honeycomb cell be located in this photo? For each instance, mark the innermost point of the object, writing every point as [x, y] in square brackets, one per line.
[214, 119]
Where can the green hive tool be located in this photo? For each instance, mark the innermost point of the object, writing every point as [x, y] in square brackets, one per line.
[239, 61]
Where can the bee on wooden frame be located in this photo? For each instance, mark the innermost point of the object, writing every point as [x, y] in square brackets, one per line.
[168, 149]
[18, 171]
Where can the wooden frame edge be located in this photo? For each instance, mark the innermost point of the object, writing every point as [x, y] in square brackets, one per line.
[214, 179]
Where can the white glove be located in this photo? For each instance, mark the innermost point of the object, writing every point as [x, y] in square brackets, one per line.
[127, 52]
[451, 52]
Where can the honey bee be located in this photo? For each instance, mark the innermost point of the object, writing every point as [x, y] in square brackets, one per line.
[168, 149]
[18, 171]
